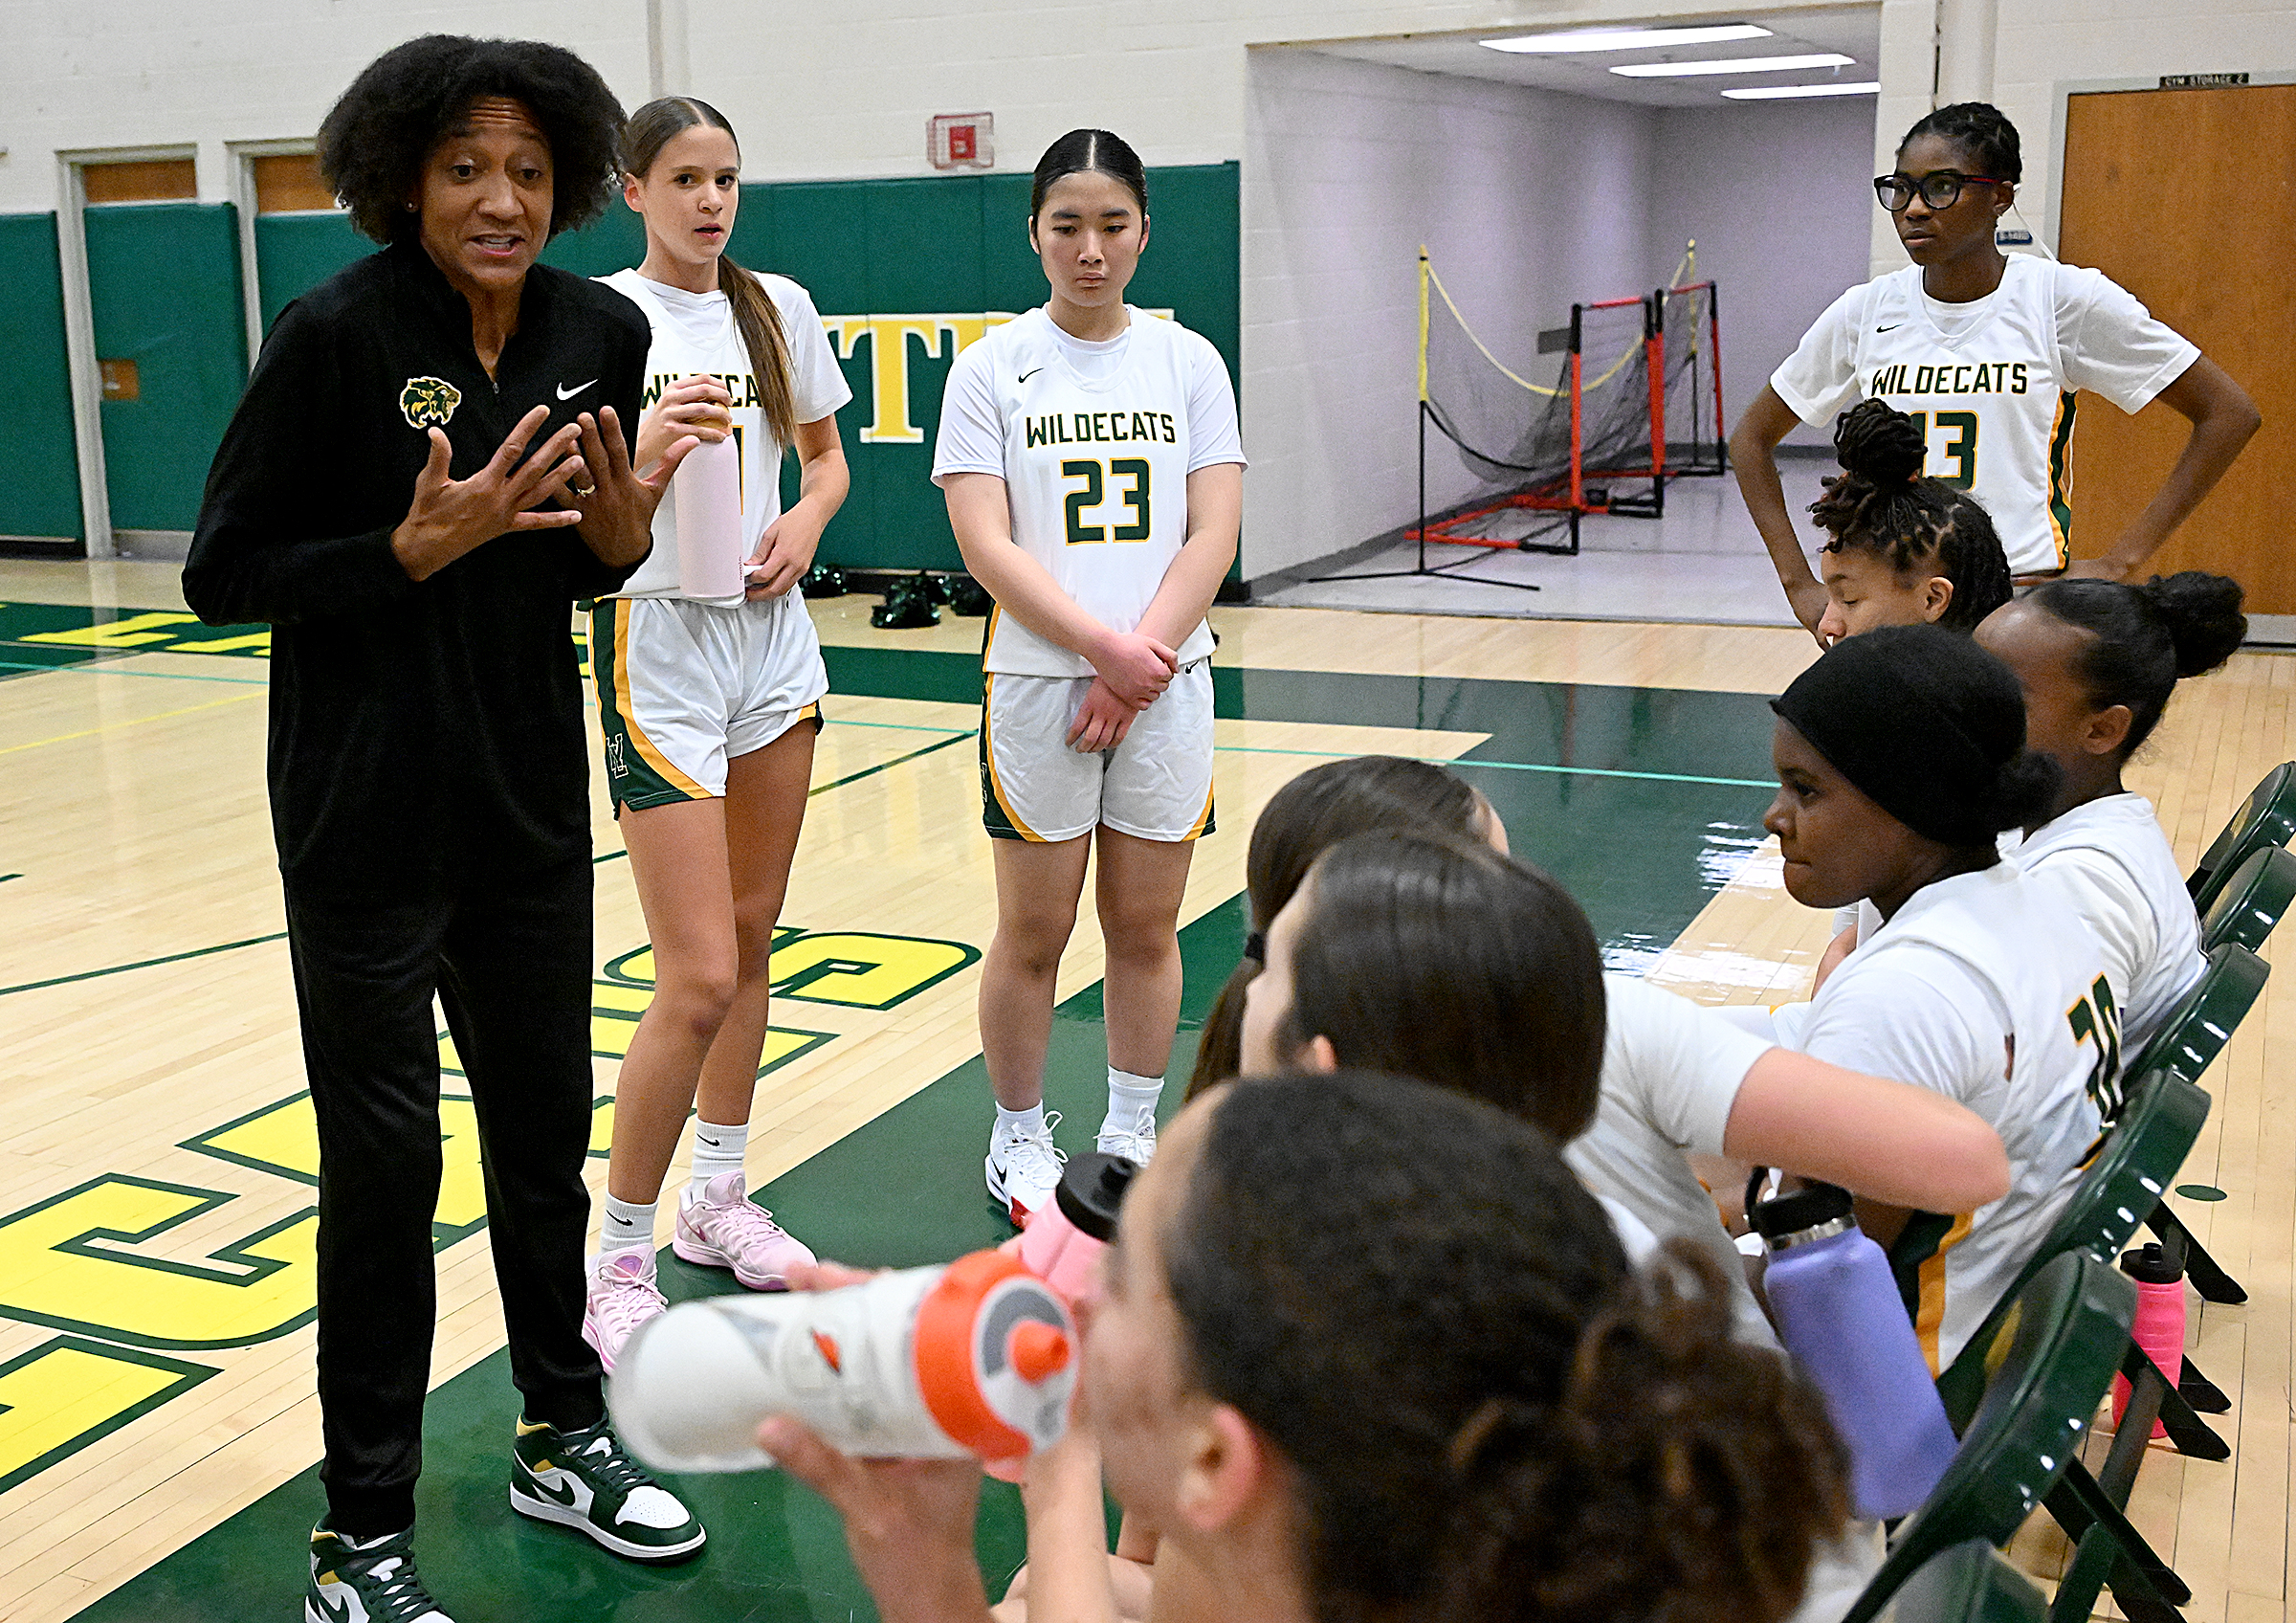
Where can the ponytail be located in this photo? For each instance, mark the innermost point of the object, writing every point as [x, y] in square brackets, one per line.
[649, 129]
[768, 346]
[2142, 639]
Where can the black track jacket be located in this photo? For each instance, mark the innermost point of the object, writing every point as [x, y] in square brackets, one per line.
[417, 729]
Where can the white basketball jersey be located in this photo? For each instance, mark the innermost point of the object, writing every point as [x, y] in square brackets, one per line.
[2109, 862]
[1991, 382]
[696, 332]
[1983, 987]
[1095, 467]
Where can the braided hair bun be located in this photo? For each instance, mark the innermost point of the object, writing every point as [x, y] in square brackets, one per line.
[1879, 443]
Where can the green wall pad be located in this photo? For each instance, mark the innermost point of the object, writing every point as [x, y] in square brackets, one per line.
[164, 284]
[39, 475]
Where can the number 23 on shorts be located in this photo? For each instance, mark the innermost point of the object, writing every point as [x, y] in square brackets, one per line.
[1092, 492]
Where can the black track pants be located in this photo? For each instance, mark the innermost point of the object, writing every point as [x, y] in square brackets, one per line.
[509, 959]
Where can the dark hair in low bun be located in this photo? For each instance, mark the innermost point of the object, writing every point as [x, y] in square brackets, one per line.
[1089, 151]
[1980, 129]
[2143, 638]
[1301, 821]
[1520, 1430]
[1881, 505]
[2024, 790]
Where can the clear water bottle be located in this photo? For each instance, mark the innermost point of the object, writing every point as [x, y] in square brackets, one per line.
[1839, 1313]
[977, 1358]
[2159, 1328]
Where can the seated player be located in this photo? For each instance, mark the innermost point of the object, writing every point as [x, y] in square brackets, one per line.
[1314, 810]
[2097, 660]
[1901, 756]
[1675, 1078]
[1521, 1429]
[1904, 551]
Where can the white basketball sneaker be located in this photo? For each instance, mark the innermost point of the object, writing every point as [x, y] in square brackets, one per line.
[1024, 1168]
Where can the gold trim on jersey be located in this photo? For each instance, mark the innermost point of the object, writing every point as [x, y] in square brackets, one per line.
[2061, 476]
[1930, 1317]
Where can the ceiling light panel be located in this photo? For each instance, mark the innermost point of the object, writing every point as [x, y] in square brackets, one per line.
[1626, 38]
[1790, 92]
[1732, 65]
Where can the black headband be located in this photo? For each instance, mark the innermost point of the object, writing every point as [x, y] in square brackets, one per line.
[1921, 719]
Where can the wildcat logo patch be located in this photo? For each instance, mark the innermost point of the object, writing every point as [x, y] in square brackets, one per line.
[425, 401]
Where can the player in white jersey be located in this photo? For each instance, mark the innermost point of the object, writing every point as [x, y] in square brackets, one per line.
[709, 706]
[1901, 757]
[1094, 482]
[1988, 352]
[2098, 660]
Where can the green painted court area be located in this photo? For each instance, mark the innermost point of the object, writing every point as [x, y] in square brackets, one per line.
[1643, 802]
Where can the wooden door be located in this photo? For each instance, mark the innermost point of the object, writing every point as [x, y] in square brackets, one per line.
[2188, 199]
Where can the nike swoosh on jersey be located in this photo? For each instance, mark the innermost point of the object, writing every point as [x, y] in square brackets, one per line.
[565, 394]
[1891, 327]
[1029, 373]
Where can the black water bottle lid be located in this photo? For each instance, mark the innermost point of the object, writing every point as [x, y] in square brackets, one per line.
[1803, 1209]
[1092, 1191]
[2150, 1265]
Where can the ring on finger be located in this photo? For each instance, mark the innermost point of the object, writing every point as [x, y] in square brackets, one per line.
[584, 492]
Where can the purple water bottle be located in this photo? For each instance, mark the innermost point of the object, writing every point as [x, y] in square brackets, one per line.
[1839, 1313]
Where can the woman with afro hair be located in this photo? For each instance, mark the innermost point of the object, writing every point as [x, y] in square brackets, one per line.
[428, 467]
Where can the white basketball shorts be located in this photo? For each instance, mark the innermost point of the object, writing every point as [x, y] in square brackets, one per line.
[1155, 784]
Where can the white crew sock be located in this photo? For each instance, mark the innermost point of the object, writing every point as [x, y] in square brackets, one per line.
[626, 1227]
[1131, 1100]
[716, 1149]
[1020, 1123]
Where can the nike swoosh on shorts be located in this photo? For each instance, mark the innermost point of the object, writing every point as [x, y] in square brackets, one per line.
[565, 394]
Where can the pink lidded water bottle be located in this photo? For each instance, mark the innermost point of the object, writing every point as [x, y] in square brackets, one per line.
[707, 488]
[2159, 1328]
[1839, 1313]
[1064, 1236]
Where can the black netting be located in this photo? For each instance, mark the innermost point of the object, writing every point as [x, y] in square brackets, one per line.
[1508, 419]
[1694, 427]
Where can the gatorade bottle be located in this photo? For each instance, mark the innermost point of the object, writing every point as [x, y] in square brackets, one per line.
[1839, 1313]
[975, 1358]
[1064, 1236]
[2159, 1328]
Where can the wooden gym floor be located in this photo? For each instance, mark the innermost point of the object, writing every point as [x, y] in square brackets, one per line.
[157, 1428]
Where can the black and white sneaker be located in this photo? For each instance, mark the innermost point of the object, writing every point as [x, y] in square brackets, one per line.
[367, 1581]
[583, 1481]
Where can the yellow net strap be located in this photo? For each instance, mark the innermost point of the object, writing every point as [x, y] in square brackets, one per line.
[1428, 275]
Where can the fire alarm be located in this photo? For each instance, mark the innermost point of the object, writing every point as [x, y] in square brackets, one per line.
[961, 141]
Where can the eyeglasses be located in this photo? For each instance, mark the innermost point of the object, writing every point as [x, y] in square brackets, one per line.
[1940, 188]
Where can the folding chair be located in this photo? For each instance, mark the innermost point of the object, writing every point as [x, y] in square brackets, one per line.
[1969, 1584]
[2056, 1353]
[2252, 900]
[2188, 1041]
[2266, 817]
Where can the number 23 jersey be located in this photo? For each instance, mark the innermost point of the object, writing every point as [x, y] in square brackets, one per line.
[1094, 443]
[1991, 382]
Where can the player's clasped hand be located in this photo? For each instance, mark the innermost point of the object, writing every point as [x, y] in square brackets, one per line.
[450, 516]
[1101, 721]
[1137, 668]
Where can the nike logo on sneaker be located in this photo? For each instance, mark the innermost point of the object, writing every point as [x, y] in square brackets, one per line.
[564, 1494]
[332, 1611]
[565, 394]
[1029, 373]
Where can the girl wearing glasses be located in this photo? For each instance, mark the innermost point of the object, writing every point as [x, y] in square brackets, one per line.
[1986, 352]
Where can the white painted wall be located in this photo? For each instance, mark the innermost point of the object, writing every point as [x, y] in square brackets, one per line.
[1526, 200]
[1776, 195]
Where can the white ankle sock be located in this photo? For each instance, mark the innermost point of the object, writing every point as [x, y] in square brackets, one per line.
[1131, 1100]
[716, 1149]
[626, 1227]
[1020, 1123]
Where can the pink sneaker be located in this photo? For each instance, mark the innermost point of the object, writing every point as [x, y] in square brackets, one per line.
[623, 1296]
[721, 1228]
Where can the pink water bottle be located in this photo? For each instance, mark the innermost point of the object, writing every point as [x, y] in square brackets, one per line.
[2159, 1328]
[1064, 1236]
[707, 493]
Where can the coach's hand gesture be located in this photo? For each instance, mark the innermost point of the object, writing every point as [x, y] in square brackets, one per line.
[450, 516]
[616, 514]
